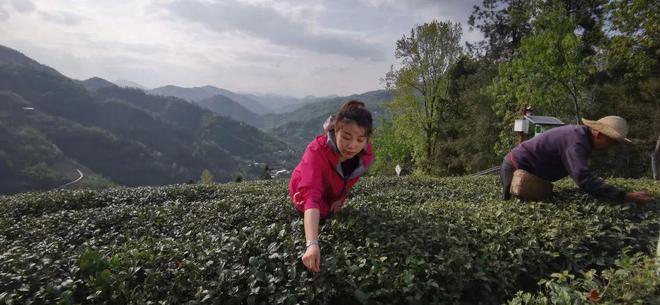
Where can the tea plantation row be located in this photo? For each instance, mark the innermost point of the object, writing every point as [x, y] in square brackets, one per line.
[398, 241]
[634, 280]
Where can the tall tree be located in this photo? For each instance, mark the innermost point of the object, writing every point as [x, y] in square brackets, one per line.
[505, 23]
[475, 125]
[629, 84]
[549, 71]
[655, 160]
[421, 103]
[635, 38]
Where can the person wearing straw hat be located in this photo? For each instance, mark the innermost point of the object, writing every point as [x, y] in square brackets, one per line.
[528, 170]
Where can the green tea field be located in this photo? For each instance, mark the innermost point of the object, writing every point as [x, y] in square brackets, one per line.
[397, 241]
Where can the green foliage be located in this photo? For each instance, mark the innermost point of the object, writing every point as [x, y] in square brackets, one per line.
[628, 84]
[421, 104]
[266, 174]
[462, 132]
[633, 280]
[466, 137]
[548, 72]
[468, 142]
[34, 145]
[398, 241]
[206, 177]
[641, 107]
[392, 148]
[41, 175]
[504, 23]
[125, 135]
[632, 51]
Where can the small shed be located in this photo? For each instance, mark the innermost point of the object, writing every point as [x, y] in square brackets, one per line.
[539, 124]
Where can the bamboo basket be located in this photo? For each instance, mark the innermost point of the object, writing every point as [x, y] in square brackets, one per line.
[527, 186]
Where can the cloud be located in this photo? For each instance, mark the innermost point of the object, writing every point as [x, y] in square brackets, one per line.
[61, 17]
[4, 15]
[296, 47]
[23, 6]
[418, 5]
[269, 23]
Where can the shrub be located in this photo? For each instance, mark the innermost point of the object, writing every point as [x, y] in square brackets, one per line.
[398, 241]
[633, 280]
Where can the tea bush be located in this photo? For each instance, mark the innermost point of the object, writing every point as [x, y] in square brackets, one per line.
[398, 241]
[635, 279]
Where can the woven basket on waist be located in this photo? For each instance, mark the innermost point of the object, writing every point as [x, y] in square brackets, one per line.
[527, 186]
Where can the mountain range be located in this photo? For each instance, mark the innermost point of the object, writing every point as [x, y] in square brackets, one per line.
[53, 124]
[298, 127]
[223, 105]
[294, 121]
[196, 94]
[128, 84]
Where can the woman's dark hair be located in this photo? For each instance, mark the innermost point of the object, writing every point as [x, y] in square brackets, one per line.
[352, 112]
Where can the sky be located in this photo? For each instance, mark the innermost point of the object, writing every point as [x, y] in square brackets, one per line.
[286, 47]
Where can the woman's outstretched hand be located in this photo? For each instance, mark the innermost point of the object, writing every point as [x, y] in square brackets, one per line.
[312, 258]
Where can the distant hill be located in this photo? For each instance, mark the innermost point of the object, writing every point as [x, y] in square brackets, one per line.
[10, 56]
[29, 155]
[96, 83]
[283, 103]
[196, 94]
[299, 127]
[302, 102]
[128, 84]
[119, 135]
[223, 105]
[373, 99]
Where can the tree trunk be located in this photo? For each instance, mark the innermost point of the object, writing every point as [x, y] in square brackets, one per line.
[655, 160]
[577, 109]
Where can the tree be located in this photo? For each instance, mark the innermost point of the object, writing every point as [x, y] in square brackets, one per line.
[266, 175]
[420, 86]
[629, 84]
[41, 175]
[207, 177]
[469, 148]
[505, 23]
[550, 72]
[635, 38]
[655, 162]
[632, 57]
[393, 149]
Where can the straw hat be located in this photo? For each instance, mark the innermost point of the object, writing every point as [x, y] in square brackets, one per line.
[612, 126]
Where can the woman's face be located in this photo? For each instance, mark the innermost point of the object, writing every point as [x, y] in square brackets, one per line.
[351, 139]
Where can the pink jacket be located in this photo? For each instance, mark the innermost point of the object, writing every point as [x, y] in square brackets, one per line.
[318, 180]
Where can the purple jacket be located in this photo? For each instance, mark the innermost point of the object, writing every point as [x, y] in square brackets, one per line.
[561, 152]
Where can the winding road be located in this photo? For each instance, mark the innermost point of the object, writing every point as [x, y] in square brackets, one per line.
[74, 181]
